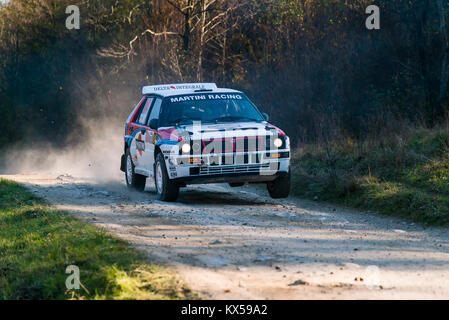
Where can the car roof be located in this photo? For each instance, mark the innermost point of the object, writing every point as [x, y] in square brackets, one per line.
[182, 92]
[169, 90]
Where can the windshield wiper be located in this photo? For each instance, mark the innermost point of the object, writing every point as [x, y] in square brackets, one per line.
[234, 118]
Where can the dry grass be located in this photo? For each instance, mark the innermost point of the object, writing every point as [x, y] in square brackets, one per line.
[37, 243]
[405, 174]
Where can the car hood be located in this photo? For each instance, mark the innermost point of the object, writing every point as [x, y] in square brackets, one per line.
[221, 130]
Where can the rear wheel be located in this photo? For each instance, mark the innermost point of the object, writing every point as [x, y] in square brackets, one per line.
[133, 180]
[280, 187]
[167, 190]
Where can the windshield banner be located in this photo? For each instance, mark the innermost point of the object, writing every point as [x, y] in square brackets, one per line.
[206, 97]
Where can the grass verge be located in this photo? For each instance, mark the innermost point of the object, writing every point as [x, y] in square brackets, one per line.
[405, 176]
[37, 243]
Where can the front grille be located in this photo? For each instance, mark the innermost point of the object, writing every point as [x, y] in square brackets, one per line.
[251, 168]
[237, 144]
[229, 145]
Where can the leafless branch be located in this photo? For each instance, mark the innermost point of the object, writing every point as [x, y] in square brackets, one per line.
[153, 33]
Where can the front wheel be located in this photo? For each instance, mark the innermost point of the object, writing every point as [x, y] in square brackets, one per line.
[167, 190]
[280, 187]
[133, 180]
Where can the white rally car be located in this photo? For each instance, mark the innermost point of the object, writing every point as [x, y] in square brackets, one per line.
[196, 133]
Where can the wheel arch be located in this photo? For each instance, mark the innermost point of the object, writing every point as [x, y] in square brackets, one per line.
[157, 150]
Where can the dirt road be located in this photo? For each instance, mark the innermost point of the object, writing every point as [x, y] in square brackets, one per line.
[240, 244]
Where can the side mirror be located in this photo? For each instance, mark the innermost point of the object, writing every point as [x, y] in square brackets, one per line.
[153, 124]
[266, 116]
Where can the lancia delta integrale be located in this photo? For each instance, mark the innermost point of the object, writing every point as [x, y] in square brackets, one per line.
[183, 134]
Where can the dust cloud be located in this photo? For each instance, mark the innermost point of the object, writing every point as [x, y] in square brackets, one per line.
[97, 157]
[93, 147]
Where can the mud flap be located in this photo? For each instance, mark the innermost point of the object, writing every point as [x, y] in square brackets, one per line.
[122, 163]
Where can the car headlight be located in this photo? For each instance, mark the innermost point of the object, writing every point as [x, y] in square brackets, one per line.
[277, 142]
[186, 148]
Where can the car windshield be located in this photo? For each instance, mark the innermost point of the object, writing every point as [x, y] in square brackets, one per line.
[208, 108]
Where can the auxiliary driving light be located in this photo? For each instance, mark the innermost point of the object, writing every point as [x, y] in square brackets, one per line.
[277, 143]
[185, 148]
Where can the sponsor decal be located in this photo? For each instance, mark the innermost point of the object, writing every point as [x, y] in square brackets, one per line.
[148, 137]
[206, 97]
[224, 96]
[179, 87]
[140, 144]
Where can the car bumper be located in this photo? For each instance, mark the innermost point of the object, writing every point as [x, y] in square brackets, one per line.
[268, 169]
[230, 178]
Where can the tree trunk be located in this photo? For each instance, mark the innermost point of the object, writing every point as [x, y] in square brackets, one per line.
[187, 17]
[445, 49]
[199, 72]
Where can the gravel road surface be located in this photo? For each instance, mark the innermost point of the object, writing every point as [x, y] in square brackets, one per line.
[237, 243]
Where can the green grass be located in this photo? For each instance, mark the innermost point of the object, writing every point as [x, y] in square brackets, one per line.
[405, 176]
[37, 243]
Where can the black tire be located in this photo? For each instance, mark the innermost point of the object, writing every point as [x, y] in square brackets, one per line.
[133, 180]
[236, 184]
[166, 189]
[280, 187]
